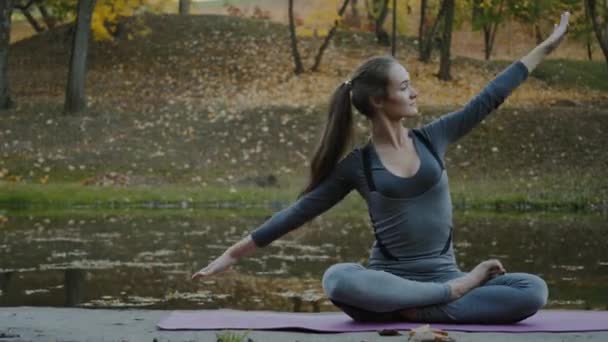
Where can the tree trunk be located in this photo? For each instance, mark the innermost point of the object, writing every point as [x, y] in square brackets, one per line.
[74, 286]
[294, 41]
[588, 36]
[603, 40]
[486, 41]
[330, 34]
[538, 34]
[33, 22]
[446, 42]
[48, 19]
[6, 9]
[394, 42]
[184, 7]
[381, 35]
[354, 12]
[421, 28]
[427, 43]
[75, 100]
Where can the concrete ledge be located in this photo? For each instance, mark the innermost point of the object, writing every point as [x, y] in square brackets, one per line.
[75, 324]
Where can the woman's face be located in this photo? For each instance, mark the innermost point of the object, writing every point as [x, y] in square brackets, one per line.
[401, 95]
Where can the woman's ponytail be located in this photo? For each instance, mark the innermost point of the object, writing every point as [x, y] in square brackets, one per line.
[370, 79]
[337, 134]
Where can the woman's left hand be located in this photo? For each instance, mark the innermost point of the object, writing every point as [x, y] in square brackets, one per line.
[559, 32]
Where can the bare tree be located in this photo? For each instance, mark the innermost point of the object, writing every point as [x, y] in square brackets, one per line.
[602, 35]
[6, 10]
[75, 100]
[330, 34]
[428, 36]
[446, 41]
[294, 41]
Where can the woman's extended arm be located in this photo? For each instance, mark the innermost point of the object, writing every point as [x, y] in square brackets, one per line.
[452, 126]
[329, 192]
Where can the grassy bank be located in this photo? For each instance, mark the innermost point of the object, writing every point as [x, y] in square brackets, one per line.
[491, 194]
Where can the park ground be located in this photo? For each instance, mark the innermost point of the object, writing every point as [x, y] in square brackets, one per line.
[64, 324]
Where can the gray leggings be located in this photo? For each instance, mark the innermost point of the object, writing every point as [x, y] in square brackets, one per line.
[368, 295]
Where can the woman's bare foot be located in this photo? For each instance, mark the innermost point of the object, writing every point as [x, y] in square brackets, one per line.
[480, 274]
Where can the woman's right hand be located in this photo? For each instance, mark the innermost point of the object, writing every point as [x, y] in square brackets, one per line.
[559, 32]
[218, 265]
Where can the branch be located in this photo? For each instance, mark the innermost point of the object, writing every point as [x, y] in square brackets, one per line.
[330, 34]
[24, 7]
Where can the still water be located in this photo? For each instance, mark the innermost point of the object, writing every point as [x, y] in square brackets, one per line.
[145, 258]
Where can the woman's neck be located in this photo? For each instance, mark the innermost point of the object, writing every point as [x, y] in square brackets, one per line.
[389, 133]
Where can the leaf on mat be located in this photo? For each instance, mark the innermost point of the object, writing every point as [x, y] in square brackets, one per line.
[389, 332]
[424, 333]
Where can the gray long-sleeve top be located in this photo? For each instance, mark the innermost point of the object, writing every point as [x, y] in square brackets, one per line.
[407, 236]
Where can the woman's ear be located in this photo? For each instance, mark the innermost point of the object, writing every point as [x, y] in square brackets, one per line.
[377, 102]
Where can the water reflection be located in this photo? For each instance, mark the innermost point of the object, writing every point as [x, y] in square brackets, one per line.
[146, 259]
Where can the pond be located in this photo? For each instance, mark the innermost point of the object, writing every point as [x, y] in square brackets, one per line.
[144, 258]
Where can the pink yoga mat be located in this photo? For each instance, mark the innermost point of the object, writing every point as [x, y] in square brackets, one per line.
[543, 321]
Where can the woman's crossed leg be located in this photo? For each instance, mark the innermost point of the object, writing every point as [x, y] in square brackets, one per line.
[373, 295]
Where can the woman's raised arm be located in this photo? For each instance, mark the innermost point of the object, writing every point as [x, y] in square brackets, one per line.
[452, 126]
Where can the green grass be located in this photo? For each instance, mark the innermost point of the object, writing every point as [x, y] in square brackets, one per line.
[232, 337]
[63, 195]
[490, 194]
[574, 73]
[502, 195]
[566, 73]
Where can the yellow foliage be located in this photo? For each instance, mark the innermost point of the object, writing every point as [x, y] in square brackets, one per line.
[319, 21]
[107, 13]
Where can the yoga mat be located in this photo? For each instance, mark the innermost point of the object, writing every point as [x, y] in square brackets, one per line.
[543, 321]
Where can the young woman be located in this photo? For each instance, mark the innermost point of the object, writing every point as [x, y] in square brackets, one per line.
[412, 272]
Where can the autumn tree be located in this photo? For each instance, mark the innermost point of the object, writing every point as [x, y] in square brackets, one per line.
[599, 20]
[529, 13]
[6, 10]
[107, 15]
[487, 15]
[377, 11]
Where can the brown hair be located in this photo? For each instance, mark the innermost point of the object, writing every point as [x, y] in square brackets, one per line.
[370, 79]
